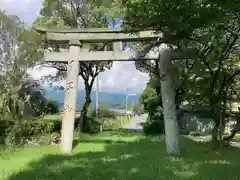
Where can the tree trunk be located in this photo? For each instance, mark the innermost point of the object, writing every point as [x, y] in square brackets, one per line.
[83, 118]
[179, 116]
[223, 115]
[216, 117]
[168, 100]
[218, 108]
[151, 115]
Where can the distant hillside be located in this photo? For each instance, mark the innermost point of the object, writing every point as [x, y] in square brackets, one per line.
[109, 99]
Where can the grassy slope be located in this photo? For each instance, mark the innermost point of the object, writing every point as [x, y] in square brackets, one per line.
[121, 156]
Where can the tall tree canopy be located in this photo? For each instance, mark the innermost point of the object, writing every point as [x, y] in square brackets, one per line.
[81, 14]
[211, 27]
[17, 54]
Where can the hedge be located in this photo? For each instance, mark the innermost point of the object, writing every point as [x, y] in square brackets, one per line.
[4, 125]
[29, 128]
[153, 127]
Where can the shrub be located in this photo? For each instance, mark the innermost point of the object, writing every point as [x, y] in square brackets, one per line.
[76, 122]
[153, 127]
[45, 140]
[51, 106]
[194, 133]
[103, 112]
[91, 125]
[4, 125]
[19, 131]
[2, 140]
[116, 123]
[55, 124]
[184, 132]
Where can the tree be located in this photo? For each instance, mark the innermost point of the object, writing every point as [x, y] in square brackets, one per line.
[181, 22]
[217, 71]
[87, 14]
[34, 98]
[17, 89]
[150, 101]
[51, 106]
[216, 65]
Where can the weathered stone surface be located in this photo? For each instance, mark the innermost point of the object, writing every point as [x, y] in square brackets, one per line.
[168, 101]
[96, 34]
[70, 100]
[99, 56]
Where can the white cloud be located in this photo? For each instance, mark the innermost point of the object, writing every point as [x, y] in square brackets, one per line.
[27, 10]
[121, 77]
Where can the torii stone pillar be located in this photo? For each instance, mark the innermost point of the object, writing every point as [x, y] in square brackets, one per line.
[168, 101]
[95, 35]
[70, 99]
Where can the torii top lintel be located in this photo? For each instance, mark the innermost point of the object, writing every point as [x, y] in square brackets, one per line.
[95, 34]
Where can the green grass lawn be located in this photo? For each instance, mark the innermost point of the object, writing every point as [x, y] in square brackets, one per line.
[121, 156]
[237, 137]
[52, 117]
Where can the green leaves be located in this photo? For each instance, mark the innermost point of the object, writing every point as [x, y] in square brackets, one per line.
[88, 14]
[19, 51]
[149, 99]
[176, 19]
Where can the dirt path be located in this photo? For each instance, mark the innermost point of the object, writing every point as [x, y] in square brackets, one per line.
[134, 124]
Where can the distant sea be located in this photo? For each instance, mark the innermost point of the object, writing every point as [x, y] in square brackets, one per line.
[115, 100]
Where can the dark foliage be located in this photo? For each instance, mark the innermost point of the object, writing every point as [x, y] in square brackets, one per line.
[91, 125]
[29, 129]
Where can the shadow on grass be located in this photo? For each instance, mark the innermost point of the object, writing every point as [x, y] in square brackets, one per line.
[142, 159]
[124, 131]
[75, 143]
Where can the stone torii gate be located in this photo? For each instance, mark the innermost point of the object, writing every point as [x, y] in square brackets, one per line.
[75, 38]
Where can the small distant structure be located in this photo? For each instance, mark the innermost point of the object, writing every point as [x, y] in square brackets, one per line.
[129, 112]
[122, 111]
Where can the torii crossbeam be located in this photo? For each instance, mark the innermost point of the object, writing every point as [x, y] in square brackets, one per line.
[75, 38]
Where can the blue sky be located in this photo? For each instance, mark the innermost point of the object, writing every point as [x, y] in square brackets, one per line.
[118, 25]
[112, 25]
[121, 77]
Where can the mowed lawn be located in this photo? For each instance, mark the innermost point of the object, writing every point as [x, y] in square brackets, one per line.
[237, 137]
[52, 117]
[121, 156]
